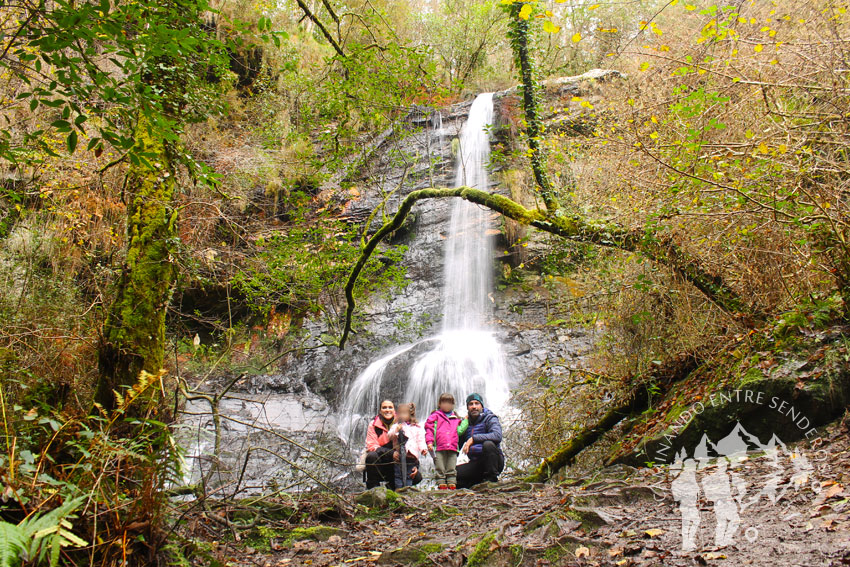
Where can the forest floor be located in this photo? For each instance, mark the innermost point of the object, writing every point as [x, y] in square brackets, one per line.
[620, 516]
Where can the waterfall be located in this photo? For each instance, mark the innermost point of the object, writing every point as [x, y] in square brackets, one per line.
[465, 357]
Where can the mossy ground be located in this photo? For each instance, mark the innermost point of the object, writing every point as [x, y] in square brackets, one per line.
[482, 551]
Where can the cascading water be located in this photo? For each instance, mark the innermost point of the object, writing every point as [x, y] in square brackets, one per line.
[465, 357]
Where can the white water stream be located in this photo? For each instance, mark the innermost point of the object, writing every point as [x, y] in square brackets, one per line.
[465, 357]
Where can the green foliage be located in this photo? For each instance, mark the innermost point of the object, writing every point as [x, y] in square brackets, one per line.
[93, 67]
[304, 266]
[117, 465]
[813, 314]
[39, 538]
[371, 89]
[468, 41]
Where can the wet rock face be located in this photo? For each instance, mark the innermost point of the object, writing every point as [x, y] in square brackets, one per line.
[268, 440]
[416, 311]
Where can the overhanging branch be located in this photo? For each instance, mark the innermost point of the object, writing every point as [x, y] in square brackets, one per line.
[321, 26]
[659, 248]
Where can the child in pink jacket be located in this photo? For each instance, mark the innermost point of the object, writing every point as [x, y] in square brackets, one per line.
[441, 434]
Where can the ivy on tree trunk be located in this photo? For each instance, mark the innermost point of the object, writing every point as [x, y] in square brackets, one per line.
[519, 34]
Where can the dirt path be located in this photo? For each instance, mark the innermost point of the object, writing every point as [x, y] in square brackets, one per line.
[793, 514]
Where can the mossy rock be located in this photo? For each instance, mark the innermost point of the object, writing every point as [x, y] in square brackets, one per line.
[542, 521]
[272, 539]
[787, 401]
[590, 518]
[410, 555]
[443, 513]
[482, 551]
[414, 555]
[249, 509]
[380, 498]
[315, 533]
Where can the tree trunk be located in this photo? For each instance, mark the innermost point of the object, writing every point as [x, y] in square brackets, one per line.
[133, 336]
[520, 29]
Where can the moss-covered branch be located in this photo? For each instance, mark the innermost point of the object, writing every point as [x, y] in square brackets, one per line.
[567, 453]
[660, 248]
[636, 401]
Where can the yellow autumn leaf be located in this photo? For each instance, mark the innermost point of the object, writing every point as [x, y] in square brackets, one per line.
[576, 37]
[758, 48]
[654, 135]
[593, 7]
[549, 27]
[525, 11]
[763, 148]
[654, 532]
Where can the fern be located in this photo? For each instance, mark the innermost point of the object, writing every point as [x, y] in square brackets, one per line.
[39, 538]
[12, 543]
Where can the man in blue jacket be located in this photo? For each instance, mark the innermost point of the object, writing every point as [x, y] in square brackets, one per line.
[482, 442]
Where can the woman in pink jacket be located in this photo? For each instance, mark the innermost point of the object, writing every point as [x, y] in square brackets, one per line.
[379, 448]
[441, 435]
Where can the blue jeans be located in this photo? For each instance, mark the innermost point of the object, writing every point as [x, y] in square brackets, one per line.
[402, 479]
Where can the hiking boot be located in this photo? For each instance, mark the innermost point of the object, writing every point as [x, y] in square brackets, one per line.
[443, 487]
[452, 487]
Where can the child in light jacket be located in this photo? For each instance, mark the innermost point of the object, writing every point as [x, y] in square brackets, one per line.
[441, 434]
[408, 439]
